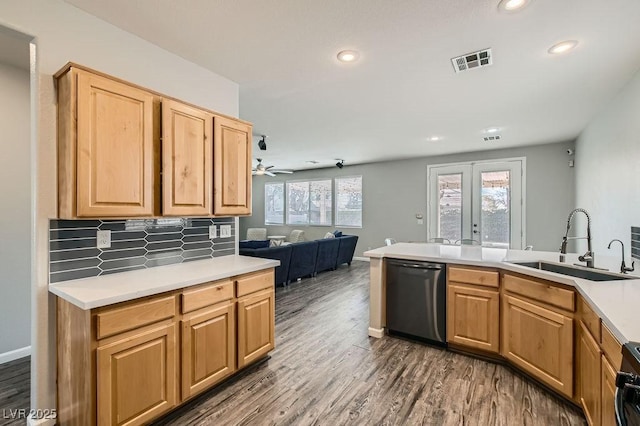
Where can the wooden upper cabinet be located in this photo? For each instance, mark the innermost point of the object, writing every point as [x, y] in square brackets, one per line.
[232, 167]
[106, 138]
[187, 160]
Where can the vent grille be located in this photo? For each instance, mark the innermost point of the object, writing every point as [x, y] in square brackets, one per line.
[481, 58]
[492, 138]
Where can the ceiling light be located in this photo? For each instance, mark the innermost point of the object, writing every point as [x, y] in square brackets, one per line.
[340, 163]
[492, 130]
[434, 138]
[262, 144]
[348, 56]
[512, 5]
[563, 47]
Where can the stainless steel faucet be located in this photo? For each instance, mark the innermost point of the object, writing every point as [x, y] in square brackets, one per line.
[589, 255]
[623, 267]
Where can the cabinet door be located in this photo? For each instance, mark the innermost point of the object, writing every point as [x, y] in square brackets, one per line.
[589, 370]
[232, 167]
[115, 149]
[608, 394]
[256, 326]
[473, 317]
[208, 348]
[187, 160]
[540, 341]
[137, 377]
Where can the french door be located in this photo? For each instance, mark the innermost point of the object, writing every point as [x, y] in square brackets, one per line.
[479, 201]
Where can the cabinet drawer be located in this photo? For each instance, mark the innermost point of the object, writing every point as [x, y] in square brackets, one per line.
[589, 318]
[542, 291]
[251, 283]
[206, 295]
[127, 318]
[474, 276]
[611, 347]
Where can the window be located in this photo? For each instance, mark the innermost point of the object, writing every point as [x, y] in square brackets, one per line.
[309, 203]
[349, 201]
[274, 203]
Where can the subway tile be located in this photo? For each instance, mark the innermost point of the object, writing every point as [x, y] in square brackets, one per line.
[196, 231]
[73, 275]
[164, 261]
[199, 223]
[112, 226]
[164, 253]
[73, 254]
[120, 254]
[60, 224]
[164, 245]
[152, 238]
[73, 264]
[195, 238]
[127, 235]
[195, 253]
[115, 271]
[72, 244]
[164, 229]
[196, 245]
[119, 245]
[67, 234]
[635, 229]
[122, 263]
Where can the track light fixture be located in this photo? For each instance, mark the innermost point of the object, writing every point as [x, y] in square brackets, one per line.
[262, 144]
[340, 164]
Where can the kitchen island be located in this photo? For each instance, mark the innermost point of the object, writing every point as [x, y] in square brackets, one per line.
[566, 333]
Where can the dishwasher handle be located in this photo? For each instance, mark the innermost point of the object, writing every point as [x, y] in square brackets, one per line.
[416, 265]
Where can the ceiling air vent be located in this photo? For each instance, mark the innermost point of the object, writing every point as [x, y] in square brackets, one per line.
[481, 58]
[492, 138]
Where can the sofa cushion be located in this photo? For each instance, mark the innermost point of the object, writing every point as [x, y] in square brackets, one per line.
[327, 254]
[328, 235]
[303, 259]
[253, 244]
[283, 254]
[337, 233]
[347, 249]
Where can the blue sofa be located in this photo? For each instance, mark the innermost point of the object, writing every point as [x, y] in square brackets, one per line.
[304, 259]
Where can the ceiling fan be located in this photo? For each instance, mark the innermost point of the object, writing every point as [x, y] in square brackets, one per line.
[267, 170]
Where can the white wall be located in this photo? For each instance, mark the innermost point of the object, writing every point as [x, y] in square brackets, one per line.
[608, 170]
[15, 226]
[64, 33]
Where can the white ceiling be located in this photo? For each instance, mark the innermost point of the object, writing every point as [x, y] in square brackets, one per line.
[403, 89]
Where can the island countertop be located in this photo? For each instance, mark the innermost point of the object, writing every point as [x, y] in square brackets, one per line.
[614, 301]
[94, 292]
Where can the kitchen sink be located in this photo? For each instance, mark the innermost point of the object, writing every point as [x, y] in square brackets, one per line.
[578, 272]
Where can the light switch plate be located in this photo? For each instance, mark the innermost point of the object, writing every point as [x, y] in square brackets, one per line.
[213, 232]
[103, 239]
[225, 231]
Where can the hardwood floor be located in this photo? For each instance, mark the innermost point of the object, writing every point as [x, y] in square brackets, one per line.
[326, 370]
[14, 390]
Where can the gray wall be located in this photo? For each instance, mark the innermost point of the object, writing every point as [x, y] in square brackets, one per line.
[394, 191]
[15, 226]
[607, 170]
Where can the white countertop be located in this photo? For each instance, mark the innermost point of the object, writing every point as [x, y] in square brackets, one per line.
[615, 301]
[89, 293]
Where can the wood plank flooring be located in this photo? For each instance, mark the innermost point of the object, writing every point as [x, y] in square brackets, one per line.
[325, 370]
[14, 390]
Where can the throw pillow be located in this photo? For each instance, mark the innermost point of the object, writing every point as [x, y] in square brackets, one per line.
[329, 235]
[337, 233]
[253, 244]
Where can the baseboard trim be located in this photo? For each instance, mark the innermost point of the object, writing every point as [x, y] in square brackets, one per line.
[376, 332]
[362, 259]
[40, 422]
[16, 354]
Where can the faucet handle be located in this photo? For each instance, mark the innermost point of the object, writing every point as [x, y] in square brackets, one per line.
[624, 269]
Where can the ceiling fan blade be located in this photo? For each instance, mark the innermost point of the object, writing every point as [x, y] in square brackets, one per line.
[282, 171]
[268, 167]
[269, 174]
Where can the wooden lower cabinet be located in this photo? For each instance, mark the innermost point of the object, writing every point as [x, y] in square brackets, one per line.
[208, 348]
[589, 390]
[608, 393]
[136, 376]
[256, 326]
[473, 317]
[539, 341]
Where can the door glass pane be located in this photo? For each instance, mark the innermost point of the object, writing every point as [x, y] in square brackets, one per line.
[495, 218]
[450, 206]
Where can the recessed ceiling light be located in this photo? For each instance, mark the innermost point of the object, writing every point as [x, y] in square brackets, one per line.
[563, 47]
[512, 5]
[492, 130]
[348, 56]
[434, 138]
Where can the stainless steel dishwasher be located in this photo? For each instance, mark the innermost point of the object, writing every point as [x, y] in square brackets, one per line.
[416, 300]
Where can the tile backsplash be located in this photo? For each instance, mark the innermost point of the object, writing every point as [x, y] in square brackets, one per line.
[635, 242]
[135, 244]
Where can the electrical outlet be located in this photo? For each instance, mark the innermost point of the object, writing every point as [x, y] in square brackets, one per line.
[213, 232]
[103, 239]
[225, 231]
